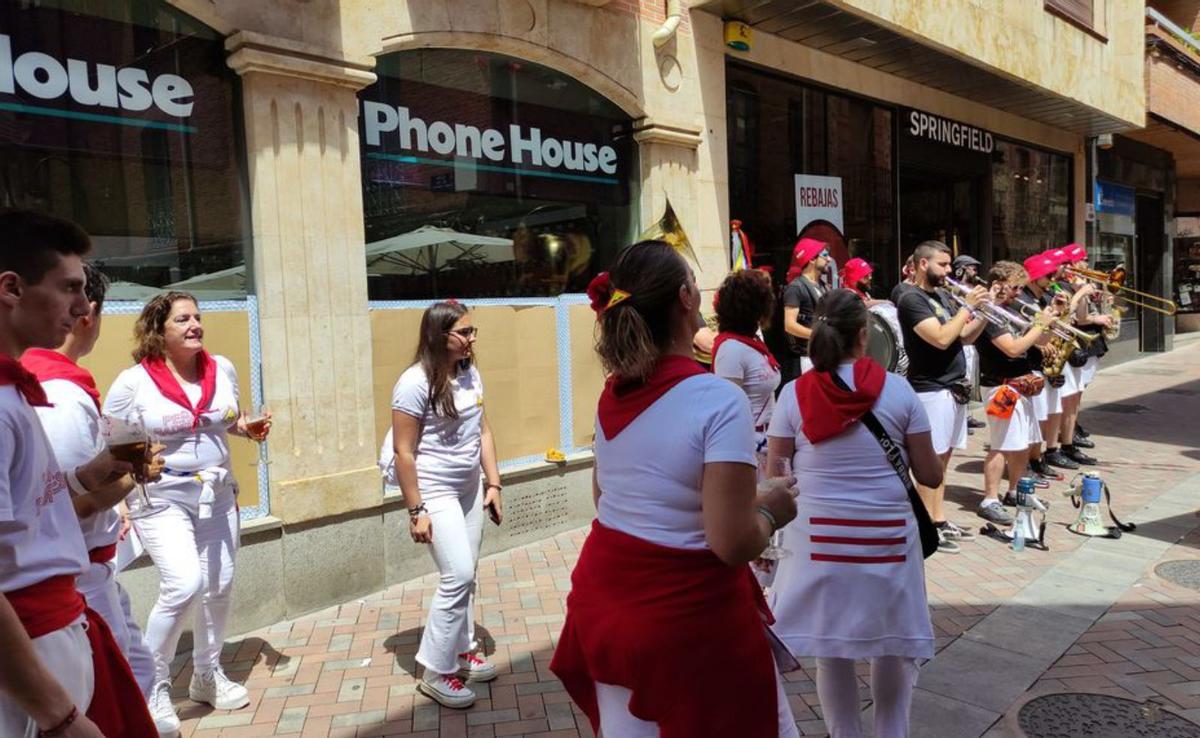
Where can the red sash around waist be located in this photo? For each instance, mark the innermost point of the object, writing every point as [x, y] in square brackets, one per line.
[118, 707]
[103, 554]
[634, 616]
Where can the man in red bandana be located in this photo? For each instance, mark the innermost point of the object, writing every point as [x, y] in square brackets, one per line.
[73, 426]
[810, 257]
[61, 673]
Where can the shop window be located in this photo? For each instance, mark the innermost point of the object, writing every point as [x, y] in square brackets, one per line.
[124, 118]
[1031, 200]
[489, 176]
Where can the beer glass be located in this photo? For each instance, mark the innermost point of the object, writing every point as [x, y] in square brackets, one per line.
[129, 440]
[775, 550]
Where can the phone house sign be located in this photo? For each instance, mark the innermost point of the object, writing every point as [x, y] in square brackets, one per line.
[390, 125]
[39, 75]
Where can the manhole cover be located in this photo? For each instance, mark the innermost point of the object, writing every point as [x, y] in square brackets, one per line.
[1179, 391]
[1077, 715]
[1117, 407]
[1185, 573]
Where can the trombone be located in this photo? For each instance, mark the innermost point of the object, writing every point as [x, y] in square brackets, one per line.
[1114, 282]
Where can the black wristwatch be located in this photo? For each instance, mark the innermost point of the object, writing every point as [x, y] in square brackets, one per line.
[417, 511]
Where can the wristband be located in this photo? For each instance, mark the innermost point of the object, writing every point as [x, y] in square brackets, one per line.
[61, 728]
[498, 488]
[417, 511]
[74, 483]
[763, 511]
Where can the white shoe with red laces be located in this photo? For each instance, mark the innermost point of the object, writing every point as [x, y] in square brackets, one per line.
[472, 668]
[446, 690]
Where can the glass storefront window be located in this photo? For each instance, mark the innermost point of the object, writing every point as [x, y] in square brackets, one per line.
[489, 176]
[1031, 200]
[125, 118]
[1187, 265]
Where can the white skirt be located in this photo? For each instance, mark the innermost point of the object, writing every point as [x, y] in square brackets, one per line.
[1017, 432]
[947, 420]
[854, 584]
[1088, 372]
[1047, 402]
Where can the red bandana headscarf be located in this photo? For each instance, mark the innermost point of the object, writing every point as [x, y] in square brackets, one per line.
[11, 372]
[47, 365]
[168, 385]
[622, 401]
[828, 409]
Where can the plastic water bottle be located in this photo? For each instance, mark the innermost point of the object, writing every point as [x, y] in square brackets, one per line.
[1018, 541]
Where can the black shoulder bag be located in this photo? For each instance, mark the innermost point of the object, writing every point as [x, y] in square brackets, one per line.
[927, 531]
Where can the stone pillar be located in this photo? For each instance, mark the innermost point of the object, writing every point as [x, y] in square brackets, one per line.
[309, 272]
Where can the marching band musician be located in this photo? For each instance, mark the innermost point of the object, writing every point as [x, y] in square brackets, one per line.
[1040, 270]
[856, 276]
[1008, 384]
[1084, 315]
[678, 518]
[934, 332]
[810, 257]
[966, 270]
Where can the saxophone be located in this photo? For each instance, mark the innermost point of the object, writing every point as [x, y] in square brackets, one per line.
[1055, 355]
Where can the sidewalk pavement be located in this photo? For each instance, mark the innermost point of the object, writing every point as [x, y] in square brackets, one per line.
[1089, 615]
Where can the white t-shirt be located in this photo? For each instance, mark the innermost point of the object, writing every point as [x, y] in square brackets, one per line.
[650, 473]
[851, 466]
[73, 428]
[39, 534]
[188, 451]
[738, 361]
[448, 450]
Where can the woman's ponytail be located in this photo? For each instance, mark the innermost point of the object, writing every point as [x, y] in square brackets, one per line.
[839, 319]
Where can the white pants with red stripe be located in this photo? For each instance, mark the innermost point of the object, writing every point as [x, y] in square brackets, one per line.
[67, 655]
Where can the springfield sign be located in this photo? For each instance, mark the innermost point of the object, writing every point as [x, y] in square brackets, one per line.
[945, 131]
[818, 198]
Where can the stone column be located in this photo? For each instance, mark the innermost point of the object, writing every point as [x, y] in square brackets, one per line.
[309, 272]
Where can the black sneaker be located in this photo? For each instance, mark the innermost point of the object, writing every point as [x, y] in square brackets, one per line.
[1058, 458]
[947, 546]
[1074, 454]
[1045, 471]
[973, 423]
[954, 533]
[1082, 442]
[1080, 431]
[1010, 500]
[995, 513]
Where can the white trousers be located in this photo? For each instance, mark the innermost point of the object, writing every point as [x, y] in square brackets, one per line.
[457, 531]
[617, 722]
[1017, 432]
[67, 655]
[194, 556]
[98, 585]
[892, 682]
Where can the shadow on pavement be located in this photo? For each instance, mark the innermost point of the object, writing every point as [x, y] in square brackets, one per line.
[1170, 415]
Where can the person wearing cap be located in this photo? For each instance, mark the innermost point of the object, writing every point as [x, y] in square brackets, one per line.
[856, 276]
[934, 330]
[966, 270]
[1041, 271]
[810, 258]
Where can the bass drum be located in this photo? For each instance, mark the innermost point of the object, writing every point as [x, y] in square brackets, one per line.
[881, 342]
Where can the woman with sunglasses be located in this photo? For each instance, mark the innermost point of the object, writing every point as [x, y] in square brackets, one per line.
[441, 440]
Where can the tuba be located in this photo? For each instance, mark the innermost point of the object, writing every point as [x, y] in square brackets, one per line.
[670, 231]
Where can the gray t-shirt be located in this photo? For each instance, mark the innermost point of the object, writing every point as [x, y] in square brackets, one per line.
[448, 451]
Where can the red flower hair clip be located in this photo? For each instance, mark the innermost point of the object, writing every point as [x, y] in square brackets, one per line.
[599, 291]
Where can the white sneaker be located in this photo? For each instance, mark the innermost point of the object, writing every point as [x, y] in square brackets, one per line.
[447, 690]
[472, 668]
[217, 690]
[163, 712]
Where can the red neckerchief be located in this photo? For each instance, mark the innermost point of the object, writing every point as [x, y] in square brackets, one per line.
[47, 365]
[168, 385]
[753, 343]
[621, 402]
[11, 372]
[634, 616]
[827, 409]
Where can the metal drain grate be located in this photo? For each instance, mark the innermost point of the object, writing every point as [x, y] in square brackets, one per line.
[1080, 715]
[1184, 572]
[1117, 407]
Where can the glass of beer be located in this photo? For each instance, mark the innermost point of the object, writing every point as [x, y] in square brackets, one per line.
[128, 440]
[258, 425]
[775, 550]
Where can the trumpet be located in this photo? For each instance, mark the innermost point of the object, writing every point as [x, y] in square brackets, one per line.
[1114, 282]
[1059, 328]
[997, 315]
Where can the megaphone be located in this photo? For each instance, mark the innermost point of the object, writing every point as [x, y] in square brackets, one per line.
[1089, 488]
[1024, 528]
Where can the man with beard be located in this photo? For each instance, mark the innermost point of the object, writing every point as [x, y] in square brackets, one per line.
[934, 330]
[810, 258]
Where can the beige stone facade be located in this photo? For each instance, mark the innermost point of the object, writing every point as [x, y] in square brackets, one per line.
[301, 65]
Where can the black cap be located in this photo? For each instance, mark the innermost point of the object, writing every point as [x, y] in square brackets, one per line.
[963, 261]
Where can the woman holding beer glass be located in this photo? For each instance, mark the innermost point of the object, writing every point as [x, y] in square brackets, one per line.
[442, 442]
[187, 400]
